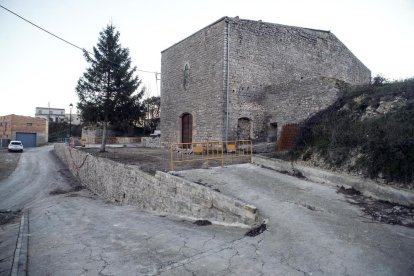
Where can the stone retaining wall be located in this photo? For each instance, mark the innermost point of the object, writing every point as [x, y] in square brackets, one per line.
[164, 192]
[151, 142]
[365, 186]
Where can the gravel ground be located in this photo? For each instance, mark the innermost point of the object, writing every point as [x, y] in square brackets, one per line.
[8, 162]
[9, 220]
[151, 160]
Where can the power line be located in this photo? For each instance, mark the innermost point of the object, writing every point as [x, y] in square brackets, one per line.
[64, 40]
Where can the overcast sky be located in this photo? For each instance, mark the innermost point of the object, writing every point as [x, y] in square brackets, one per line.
[37, 69]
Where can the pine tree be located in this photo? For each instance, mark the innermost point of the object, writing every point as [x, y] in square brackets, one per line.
[152, 107]
[107, 90]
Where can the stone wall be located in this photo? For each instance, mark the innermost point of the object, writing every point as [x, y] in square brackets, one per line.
[128, 140]
[90, 133]
[277, 74]
[265, 53]
[295, 101]
[283, 74]
[202, 96]
[163, 193]
[151, 142]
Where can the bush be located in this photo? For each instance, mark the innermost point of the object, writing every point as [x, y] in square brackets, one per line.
[384, 143]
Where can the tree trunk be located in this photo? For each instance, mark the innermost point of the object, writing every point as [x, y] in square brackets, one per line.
[103, 145]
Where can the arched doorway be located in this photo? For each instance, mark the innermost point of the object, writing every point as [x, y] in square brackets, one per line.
[243, 129]
[186, 128]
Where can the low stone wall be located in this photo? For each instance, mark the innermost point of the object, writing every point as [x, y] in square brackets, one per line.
[127, 140]
[365, 186]
[151, 142]
[164, 192]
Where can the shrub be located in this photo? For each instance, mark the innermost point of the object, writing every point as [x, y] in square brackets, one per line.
[385, 142]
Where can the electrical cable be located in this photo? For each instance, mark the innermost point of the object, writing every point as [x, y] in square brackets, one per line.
[64, 40]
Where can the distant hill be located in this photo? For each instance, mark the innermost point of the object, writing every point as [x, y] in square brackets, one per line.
[368, 131]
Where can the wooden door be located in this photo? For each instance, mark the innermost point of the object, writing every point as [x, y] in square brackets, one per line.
[186, 128]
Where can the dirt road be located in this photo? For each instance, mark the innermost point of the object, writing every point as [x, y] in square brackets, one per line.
[73, 232]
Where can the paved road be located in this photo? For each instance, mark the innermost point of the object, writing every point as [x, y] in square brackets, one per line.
[77, 233]
[312, 228]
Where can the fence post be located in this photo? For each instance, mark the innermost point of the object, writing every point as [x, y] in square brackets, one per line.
[222, 154]
[172, 157]
[251, 151]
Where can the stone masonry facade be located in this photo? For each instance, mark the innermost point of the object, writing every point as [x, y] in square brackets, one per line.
[203, 98]
[243, 79]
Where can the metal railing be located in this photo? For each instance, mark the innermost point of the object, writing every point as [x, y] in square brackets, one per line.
[220, 151]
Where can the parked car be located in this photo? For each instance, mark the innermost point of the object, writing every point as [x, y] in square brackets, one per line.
[16, 146]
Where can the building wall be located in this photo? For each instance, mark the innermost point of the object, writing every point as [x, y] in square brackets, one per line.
[52, 114]
[11, 124]
[265, 53]
[5, 127]
[277, 74]
[74, 119]
[279, 104]
[203, 97]
[295, 101]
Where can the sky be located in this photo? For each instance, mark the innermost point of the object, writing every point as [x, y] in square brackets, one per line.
[37, 69]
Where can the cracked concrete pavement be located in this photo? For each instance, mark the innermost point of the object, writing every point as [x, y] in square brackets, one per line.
[312, 229]
[77, 233]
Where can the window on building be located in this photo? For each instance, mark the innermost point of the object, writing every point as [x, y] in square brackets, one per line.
[29, 124]
[39, 111]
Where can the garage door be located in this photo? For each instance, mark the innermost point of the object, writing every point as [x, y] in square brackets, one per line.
[28, 139]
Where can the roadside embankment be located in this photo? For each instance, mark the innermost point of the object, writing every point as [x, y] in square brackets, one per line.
[163, 193]
[365, 186]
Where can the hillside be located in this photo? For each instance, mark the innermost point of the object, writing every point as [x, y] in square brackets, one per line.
[368, 131]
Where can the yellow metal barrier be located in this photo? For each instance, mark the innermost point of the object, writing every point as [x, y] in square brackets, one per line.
[206, 151]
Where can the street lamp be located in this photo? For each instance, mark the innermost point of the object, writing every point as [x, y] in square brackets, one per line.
[70, 119]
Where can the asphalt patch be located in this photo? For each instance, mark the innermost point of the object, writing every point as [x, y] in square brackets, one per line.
[295, 173]
[348, 191]
[255, 231]
[59, 191]
[8, 216]
[379, 210]
[202, 222]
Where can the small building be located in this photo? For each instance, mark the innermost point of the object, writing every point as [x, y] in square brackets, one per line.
[51, 114]
[240, 79]
[73, 119]
[31, 131]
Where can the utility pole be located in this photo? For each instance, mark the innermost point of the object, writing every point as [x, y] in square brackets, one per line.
[70, 119]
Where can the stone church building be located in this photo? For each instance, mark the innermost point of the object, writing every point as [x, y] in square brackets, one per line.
[242, 79]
